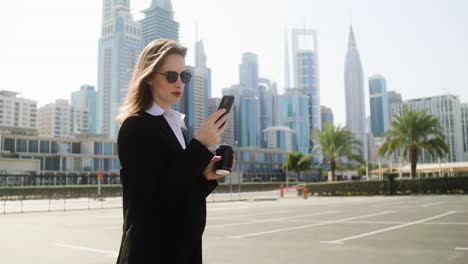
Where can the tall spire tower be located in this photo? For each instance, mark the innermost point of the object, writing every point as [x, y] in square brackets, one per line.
[287, 67]
[354, 91]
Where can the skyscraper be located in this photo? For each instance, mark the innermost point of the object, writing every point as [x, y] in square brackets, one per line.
[227, 137]
[85, 99]
[159, 22]
[246, 114]
[306, 72]
[119, 47]
[247, 102]
[327, 116]
[248, 71]
[354, 92]
[201, 66]
[295, 115]
[393, 98]
[380, 119]
[269, 110]
[193, 103]
[287, 67]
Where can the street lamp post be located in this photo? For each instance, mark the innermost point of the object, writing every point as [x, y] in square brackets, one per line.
[238, 173]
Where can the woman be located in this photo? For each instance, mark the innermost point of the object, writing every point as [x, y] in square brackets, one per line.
[165, 181]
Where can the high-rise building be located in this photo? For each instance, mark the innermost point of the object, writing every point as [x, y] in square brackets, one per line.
[119, 47]
[194, 103]
[61, 120]
[159, 22]
[306, 72]
[393, 98]
[201, 66]
[295, 115]
[287, 67]
[379, 109]
[17, 112]
[248, 71]
[269, 110]
[246, 116]
[247, 102]
[280, 138]
[327, 116]
[448, 110]
[464, 110]
[354, 92]
[227, 138]
[85, 98]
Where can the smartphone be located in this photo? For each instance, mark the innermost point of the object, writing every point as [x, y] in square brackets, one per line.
[226, 103]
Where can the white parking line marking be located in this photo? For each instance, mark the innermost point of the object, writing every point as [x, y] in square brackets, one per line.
[341, 241]
[306, 226]
[107, 252]
[270, 220]
[431, 204]
[460, 248]
[268, 213]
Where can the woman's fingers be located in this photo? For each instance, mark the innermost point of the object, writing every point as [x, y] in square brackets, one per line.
[222, 128]
[221, 120]
[213, 117]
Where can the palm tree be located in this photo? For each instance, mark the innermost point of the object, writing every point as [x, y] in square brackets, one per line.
[297, 162]
[335, 142]
[411, 132]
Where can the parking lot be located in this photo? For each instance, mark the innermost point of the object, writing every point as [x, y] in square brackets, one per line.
[399, 229]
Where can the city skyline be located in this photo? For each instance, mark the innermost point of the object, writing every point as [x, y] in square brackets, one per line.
[391, 43]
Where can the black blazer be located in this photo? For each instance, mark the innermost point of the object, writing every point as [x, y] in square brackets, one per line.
[164, 193]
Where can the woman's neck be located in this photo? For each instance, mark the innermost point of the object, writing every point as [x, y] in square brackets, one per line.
[163, 106]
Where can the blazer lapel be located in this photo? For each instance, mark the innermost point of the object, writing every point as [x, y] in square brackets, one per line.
[184, 132]
[167, 133]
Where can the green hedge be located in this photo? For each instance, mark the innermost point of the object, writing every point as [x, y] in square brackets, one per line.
[75, 191]
[53, 192]
[450, 185]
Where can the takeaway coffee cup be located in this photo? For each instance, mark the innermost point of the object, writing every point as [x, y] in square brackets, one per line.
[223, 167]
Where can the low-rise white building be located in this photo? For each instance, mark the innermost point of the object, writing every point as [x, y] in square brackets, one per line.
[61, 120]
[448, 110]
[17, 112]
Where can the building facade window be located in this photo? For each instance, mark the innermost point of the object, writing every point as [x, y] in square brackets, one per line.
[44, 146]
[33, 147]
[21, 145]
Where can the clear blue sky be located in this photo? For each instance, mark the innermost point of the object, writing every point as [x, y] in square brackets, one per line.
[49, 48]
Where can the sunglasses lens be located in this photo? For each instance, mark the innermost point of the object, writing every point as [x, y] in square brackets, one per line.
[185, 76]
[172, 76]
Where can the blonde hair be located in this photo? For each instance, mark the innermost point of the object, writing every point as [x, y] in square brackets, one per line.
[139, 96]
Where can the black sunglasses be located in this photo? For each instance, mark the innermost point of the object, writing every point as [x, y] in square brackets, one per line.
[172, 76]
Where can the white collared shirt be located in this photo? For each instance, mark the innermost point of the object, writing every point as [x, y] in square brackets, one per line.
[174, 118]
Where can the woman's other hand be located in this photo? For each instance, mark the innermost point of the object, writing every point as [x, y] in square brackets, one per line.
[210, 171]
[211, 130]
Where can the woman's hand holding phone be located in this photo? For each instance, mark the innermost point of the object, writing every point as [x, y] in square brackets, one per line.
[212, 128]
